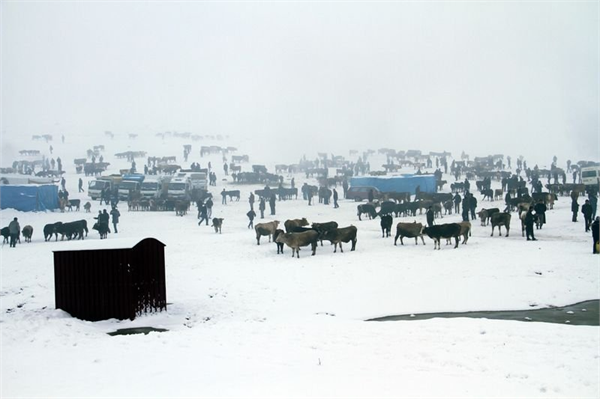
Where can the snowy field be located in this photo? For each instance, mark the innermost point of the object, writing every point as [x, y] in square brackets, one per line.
[245, 322]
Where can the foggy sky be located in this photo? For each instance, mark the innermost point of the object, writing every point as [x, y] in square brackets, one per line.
[486, 77]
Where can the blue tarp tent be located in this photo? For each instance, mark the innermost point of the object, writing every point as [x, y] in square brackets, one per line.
[29, 197]
[398, 184]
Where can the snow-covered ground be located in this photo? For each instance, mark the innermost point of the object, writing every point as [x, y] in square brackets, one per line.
[246, 322]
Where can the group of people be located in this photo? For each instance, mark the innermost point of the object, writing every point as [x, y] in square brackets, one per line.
[104, 217]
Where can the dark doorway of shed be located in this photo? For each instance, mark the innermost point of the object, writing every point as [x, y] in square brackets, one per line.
[136, 330]
[579, 314]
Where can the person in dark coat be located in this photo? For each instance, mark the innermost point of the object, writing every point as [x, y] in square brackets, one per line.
[529, 221]
[251, 201]
[80, 185]
[466, 207]
[209, 206]
[473, 206]
[430, 216]
[540, 211]
[371, 195]
[345, 187]
[272, 202]
[261, 207]
[14, 230]
[115, 217]
[586, 209]
[596, 235]
[457, 200]
[574, 209]
[224, 195]
[202, 215]
[251, 215]
[335, 199]
[594, 203]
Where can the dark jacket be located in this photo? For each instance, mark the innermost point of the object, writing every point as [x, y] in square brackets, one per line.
[115, 215]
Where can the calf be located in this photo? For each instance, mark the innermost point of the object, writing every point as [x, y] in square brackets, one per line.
[297, 240]
[233, 194]
[73, 203]
[369, 209]
[465, 231]
[498, 193]
[386, 225]
[265, 229]
[27, 233]
[501, 219]
[50, 229]
[279, 244]
[217, 223]
[337, 236]
[409, 230]
[88, 207]
[437, 232]
[5, 234]
[291, 223]
[487, 193]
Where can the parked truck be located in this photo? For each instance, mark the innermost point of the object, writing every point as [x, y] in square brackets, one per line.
[155, 186]
[179, 187]
[130, 185]
[96, 186]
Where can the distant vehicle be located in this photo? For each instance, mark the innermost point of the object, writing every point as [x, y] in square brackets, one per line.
[590, 175]
[95, 187]
[155, 187]
[360, 193]
[179, 187]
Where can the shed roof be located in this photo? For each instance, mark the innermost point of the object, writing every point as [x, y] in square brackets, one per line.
[114, 243]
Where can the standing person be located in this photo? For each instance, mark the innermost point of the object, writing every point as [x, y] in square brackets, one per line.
[335, 199]
[457, 200]
[103, 219]
[261, 207]
[466, 207]
[202, 214]
[594, 203]
[225, 169]
[586, 209]
[345, 187]
[251, 215]
[293, 183]
[473, 206]
[540, 211]
[430, 216]
[63, 183]
[14, 229]
[309, 194]
[272, 202]
[209, 205]
[371, 195]
[574, 209]
[596, 235]
[251, 201]
[529, 221]
[115, 217]
[224, 195]
[80, 185]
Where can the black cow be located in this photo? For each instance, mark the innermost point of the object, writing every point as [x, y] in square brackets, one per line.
[369, 209]
[440, 231]
[387, 208]
[386, 225]
[27, 233]
[486, 214]
[50, 229]
[323, 228]
[487, 193]
[233, 194]
[5, 234]
[73, 203]
[279, 244]
[337, 236]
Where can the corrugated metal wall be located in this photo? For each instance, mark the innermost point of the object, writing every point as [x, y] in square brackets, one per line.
[111, 283]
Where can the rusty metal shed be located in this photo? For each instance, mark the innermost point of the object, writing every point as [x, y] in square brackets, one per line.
[103, 283]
